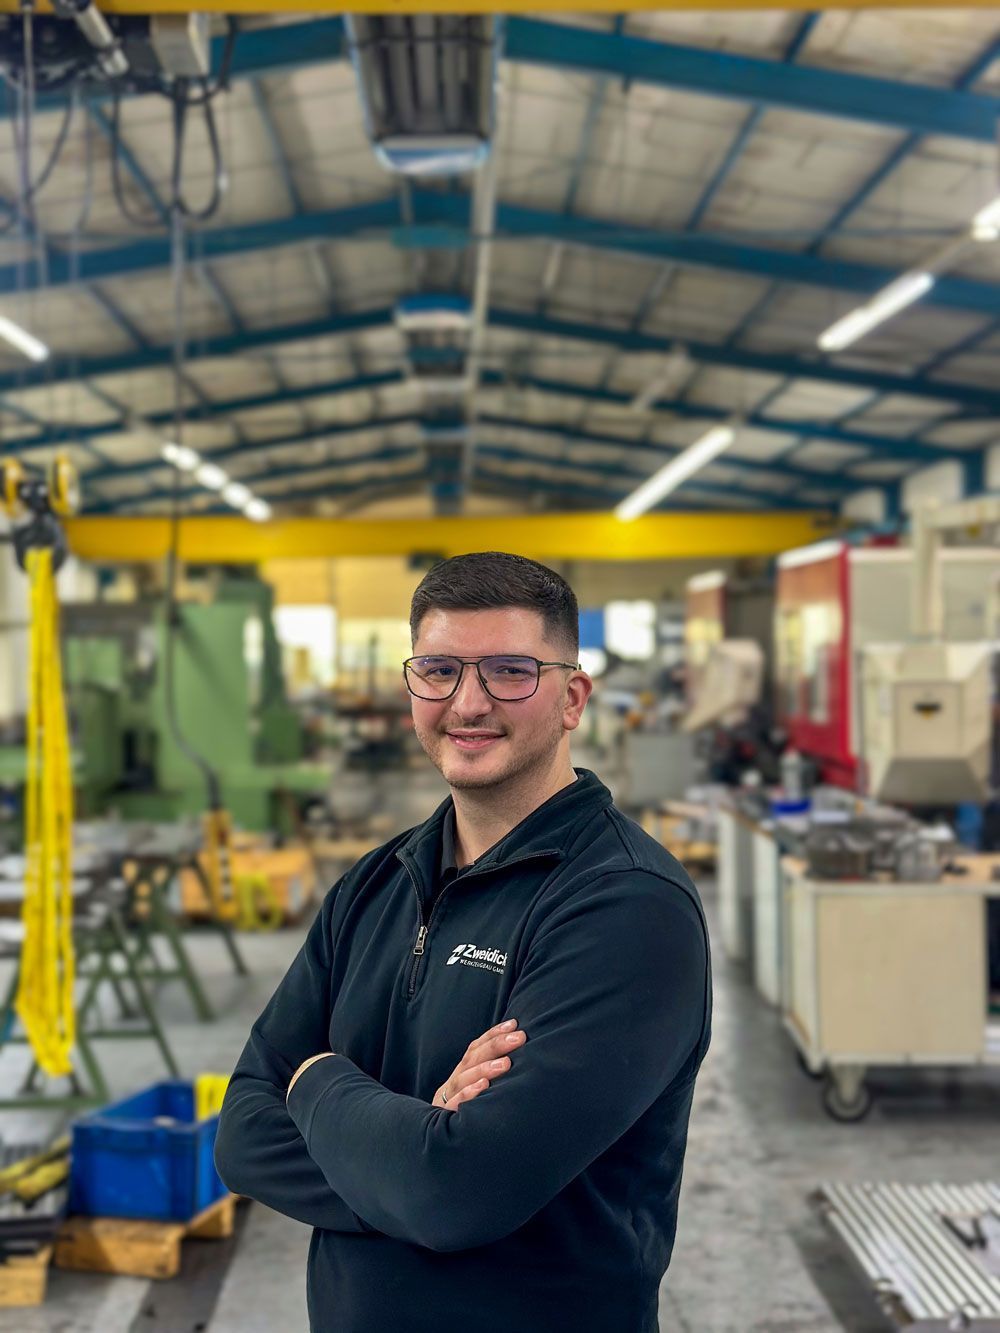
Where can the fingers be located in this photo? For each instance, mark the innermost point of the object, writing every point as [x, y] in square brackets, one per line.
[472, 1076]
[499, 1041]
[466, 1094]
[468, 1083]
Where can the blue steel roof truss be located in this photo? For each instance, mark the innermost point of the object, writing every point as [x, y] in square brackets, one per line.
[441, 219]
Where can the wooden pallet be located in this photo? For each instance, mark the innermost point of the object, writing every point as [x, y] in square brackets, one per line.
[137, 1248]
[23, 1278]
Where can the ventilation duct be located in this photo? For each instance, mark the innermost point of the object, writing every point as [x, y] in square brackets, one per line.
[427, 85]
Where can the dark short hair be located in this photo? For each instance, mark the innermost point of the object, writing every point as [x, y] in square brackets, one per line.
[485, 579]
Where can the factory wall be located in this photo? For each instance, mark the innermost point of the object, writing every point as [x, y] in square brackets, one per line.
[380, 588]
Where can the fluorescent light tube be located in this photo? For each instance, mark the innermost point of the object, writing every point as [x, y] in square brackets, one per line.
[211, 476]
[24, 341]
[237, 495]
[672, 474]
[258, 510]
[181, 456]
[986, 223]
[883, 305]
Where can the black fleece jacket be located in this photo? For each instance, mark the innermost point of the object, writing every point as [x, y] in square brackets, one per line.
[549, 1202]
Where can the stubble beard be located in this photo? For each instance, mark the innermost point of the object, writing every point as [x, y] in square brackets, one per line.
[538, 752]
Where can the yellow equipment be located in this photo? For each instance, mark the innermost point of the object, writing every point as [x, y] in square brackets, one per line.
[47, 973]
[217, 862]
[209, 1090]
[258, 905]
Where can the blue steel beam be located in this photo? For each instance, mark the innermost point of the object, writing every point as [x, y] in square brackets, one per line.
[967, 79]
[332, 430]
[766, 363]
[630, 477]
[968, 397]
[487, 481]
[827, 92]
[811, 90]
[571, 435]
[877, 444]
[217, 243]
[886, 447]
[514, 222]
[231, 344]
[441, 220]
[277, 147]
[735, 152]
[659, 452]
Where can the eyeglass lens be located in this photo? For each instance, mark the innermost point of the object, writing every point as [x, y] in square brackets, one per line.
[506, 677]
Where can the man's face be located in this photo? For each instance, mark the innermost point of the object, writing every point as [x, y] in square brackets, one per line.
[516, 738]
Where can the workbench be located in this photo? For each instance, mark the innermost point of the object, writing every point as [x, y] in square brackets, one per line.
[883, 972]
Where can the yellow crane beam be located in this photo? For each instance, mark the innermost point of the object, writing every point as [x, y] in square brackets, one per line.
[584, 536]
[478, 6]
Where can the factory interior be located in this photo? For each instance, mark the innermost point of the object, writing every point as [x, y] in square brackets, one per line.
[697, 306]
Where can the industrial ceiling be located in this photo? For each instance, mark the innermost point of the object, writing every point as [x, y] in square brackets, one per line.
[684, 202]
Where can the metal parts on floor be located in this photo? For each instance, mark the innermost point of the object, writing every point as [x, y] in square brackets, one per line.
[930, 1252]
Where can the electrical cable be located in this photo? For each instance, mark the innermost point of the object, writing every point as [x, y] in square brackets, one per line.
[172, 612]
[180, 105]
[219, 182]
[217, 823]
[54, 156]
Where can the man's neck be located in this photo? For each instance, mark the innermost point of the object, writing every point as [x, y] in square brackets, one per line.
[484, 815]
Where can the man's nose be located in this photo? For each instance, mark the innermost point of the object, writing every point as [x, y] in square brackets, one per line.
[470, 697]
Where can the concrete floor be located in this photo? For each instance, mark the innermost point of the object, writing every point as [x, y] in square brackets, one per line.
[750, 1255]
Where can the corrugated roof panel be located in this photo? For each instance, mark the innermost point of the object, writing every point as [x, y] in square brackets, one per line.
[825, 456]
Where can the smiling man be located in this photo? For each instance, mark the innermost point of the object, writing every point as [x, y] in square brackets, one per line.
[475, 1080]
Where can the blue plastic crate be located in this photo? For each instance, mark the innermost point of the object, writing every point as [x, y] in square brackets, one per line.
[146, 1156]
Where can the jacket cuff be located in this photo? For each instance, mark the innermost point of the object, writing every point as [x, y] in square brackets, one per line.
[312, 1086]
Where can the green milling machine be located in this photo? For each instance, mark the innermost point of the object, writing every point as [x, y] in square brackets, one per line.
[229, 700]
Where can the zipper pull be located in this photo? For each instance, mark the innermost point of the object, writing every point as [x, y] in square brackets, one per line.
[418, 948]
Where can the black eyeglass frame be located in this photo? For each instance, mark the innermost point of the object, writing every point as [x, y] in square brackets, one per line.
[475, 661]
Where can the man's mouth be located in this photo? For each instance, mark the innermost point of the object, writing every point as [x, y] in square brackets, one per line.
[474, 740]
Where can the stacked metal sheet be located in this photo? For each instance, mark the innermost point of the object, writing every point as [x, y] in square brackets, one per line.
[931, 1252]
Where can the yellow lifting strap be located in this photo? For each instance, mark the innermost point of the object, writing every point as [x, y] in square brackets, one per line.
[45, 989]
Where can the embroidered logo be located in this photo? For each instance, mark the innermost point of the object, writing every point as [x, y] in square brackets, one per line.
[469, 956]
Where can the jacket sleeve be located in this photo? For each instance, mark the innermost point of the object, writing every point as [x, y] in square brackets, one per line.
[258, 1150]
[614, 998]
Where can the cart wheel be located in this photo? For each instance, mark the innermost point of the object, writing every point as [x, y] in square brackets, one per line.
[815, 1074]
[11, 477]
[848, 1110]
[64, 487]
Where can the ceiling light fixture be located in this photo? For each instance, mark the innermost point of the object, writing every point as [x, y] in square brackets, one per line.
[986, 223]
[211, 476]
[25, 342]
[236, 494]
[676, 472]
[181, 456]
[883, 305]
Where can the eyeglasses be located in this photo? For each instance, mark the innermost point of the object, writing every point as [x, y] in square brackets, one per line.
[503, 678]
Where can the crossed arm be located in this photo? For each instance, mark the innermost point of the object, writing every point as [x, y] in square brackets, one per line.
[614, 1000]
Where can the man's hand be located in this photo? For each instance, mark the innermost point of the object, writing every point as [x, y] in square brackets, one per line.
[303, 1067]
[487, 1058]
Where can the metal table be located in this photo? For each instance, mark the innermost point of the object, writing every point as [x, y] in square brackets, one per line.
[100, 938]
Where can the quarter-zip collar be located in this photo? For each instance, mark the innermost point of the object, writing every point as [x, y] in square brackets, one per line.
[546, 832]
